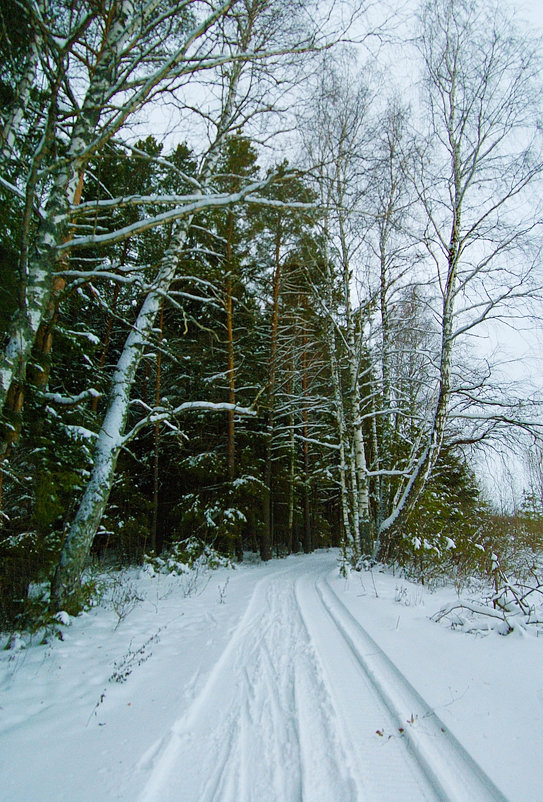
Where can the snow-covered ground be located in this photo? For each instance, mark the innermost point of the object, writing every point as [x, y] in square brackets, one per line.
[272, 683]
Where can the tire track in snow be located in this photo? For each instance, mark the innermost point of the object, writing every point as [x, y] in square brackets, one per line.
[245, 738]
[449, 768]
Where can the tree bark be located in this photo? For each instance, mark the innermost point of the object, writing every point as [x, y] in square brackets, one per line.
[231, 451]
[53, 228]
[78, 541]
[267, 528]
[156, 436]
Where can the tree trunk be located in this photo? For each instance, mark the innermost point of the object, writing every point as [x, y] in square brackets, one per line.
[434, 441]
[231, 451]
[156, 436]
[307, 535]
[53, 228]
[231, 372]
[80, 536]
[107, 335]
[8, 133]
[292, 538]
[267, 530]
[343, 445]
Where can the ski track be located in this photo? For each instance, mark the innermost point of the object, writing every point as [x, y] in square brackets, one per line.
[303, 706]
[448, 767]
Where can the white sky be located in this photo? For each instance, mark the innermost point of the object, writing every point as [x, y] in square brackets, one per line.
[531, 11]
[524, 348]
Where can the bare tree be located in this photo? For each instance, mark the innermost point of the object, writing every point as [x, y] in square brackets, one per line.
[337, 145]
[392, 258]
[238, 35]
[98, 67]
[474, 180]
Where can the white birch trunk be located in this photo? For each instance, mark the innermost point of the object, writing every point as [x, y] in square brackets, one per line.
[81, 534]
[110, 437]
[13, 120]
[53, 227]
[359, 469]
[434, 440]
[357, 453]
[349, 535]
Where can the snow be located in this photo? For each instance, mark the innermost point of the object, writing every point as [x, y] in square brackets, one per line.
[87, 335]
[79, 432]
[275, 682]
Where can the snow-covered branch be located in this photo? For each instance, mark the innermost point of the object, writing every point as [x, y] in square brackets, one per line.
[71, 400]
[160, 414]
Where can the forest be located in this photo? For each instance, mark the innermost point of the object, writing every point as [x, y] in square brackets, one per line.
[254, 256]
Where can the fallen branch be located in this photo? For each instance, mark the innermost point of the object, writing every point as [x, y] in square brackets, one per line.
[478, 609]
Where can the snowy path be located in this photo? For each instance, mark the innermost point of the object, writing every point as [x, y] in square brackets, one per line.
[303, 706]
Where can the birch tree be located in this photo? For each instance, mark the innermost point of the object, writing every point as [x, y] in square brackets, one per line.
[36, 273]
[98, 67]
[241, 34]
[474, 181]
[340, 151]
[391, 255]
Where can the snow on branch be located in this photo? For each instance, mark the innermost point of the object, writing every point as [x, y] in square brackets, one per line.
[473, 607]
[194, 205]
[20, 194]
[162, 415]
[334, 446]
[90, 207]
[512, 605]
[159, 160]
[71, 400]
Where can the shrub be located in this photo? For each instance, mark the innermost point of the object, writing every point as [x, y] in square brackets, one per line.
[187, 555]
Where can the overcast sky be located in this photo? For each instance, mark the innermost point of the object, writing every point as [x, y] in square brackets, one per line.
[531, 11]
